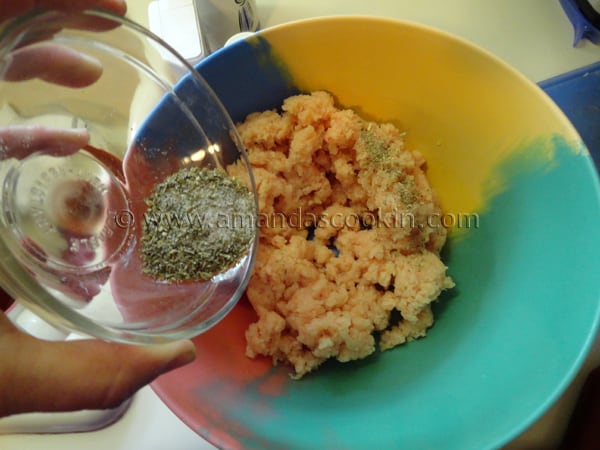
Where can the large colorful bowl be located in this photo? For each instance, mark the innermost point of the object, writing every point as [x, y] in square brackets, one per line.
[509, 338]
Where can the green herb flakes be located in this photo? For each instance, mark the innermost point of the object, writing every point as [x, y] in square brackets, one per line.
[377, 148]
[199, 222]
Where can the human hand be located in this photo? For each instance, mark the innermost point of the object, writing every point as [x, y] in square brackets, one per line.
[67, 67]
[11, 8]
[35, 55]
[37, 375]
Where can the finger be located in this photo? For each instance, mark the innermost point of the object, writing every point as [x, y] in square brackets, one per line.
[89, 22]
[21, 141]
[11, 8]
[67, 68]
[65, 15]
[115, 6]
[68, 376]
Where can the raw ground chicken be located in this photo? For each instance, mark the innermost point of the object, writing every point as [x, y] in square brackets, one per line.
[348, 238]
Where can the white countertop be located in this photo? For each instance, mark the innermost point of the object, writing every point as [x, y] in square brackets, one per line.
[534, 36]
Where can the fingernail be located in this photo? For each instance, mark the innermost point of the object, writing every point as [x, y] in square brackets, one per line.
[179, 354]
[89, 69]
[117, 6]
[68, 141]
[79, 133]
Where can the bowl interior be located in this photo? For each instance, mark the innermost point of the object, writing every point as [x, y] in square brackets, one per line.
[511, 335]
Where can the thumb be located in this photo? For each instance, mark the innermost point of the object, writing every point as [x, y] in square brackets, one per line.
[38, 375]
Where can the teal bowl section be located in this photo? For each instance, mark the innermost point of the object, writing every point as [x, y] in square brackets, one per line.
[507, 340]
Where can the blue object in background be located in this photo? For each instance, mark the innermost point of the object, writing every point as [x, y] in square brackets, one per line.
[585, 20]
[577, 93]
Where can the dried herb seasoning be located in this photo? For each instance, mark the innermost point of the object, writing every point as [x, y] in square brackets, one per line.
[198, 223]
[382, 157]
[377, 148]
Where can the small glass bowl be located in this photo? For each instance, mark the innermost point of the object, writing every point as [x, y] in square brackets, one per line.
[71, 209]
